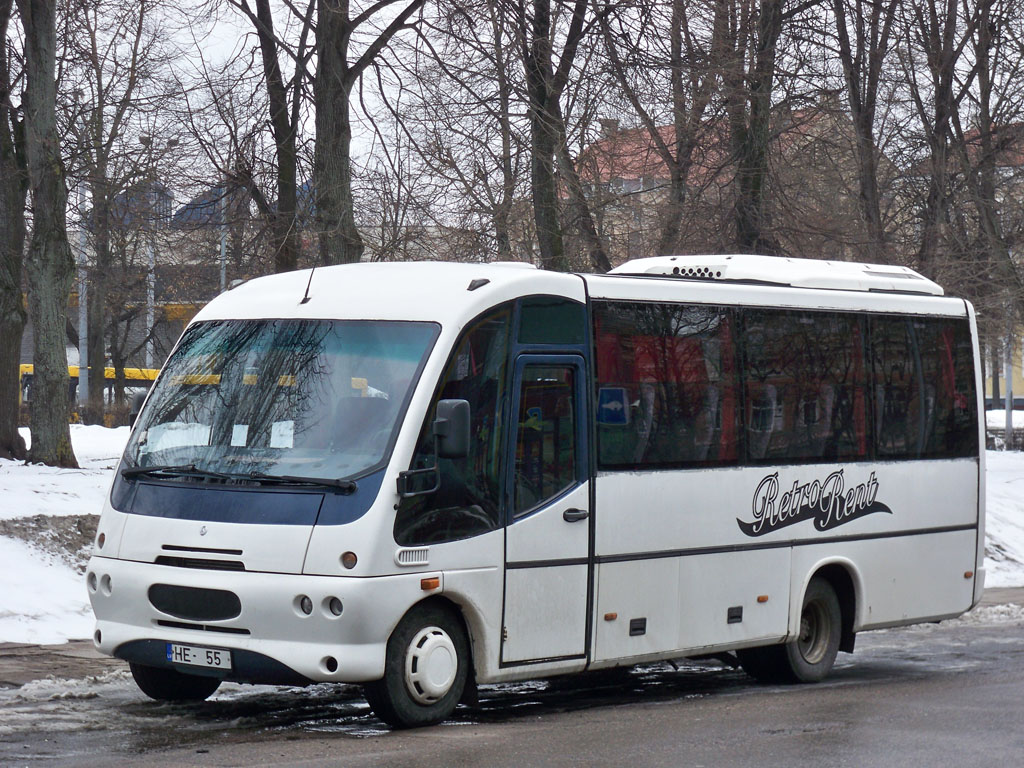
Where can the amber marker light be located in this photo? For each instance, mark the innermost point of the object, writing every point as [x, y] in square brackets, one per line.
[968, 574]
[762, 598]
[434, 582]
[611, 616]
[101, 540]
[349, 560]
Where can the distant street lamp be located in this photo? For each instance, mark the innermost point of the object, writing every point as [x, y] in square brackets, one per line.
[147, 142]
[83, 305]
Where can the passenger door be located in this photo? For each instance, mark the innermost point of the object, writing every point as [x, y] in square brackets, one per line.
[547, 544]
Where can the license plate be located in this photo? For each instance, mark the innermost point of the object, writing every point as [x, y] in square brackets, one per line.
[198, 656]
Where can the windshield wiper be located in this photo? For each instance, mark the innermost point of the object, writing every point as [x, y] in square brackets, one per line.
[179, 470]
[191, 470]
[345, 486]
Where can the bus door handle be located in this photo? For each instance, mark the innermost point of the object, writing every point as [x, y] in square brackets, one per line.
[575, 515]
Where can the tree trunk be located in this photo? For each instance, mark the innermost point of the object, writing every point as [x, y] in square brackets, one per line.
[340, 242]
[13, 187]
[284, 228]
[862, 58]
[503, 210]
[751, 140]
[583, 220]
[49, 266]
[543, 141]
[544, 135]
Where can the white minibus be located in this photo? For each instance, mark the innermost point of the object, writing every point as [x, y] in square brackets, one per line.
[422, 477]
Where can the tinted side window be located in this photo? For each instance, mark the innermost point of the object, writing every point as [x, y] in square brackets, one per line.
[804, 380]
[924, 394]
[552, 320]
[667, 392]
[467, 502]
[546, 437]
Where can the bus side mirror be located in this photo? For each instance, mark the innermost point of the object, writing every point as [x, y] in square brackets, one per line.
[451, 441]
[133, 413]
[451, 428]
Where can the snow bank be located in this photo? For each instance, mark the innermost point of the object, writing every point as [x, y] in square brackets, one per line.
[33, 489]
[1004, 519]
[43, 600]
[997, 419]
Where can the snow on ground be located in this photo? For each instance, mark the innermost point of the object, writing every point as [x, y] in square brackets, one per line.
[33, 489]
[43, 599]
[997, 419]
[1004, 519]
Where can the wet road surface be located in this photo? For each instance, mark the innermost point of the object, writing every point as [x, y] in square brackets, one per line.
[929, 695]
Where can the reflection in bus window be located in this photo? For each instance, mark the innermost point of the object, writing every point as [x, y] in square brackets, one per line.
[804, 380]
[545, 458]
[923, 387]
[293, 397]
[468, 500]
[667, 388]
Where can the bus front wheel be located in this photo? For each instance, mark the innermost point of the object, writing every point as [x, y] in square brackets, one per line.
[808, 658]
[425, 669]
[171, 685]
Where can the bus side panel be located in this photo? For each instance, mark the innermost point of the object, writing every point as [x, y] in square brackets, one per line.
[632, 592]
[902, 580]
[692, 602]
[730, 534]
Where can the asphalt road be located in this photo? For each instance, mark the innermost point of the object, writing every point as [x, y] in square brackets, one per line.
[940, 695]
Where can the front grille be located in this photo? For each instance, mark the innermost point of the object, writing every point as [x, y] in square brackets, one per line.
[200, 562]
[195, 603]
[203, 627]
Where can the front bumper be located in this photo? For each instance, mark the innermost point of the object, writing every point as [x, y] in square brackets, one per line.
[271, 639]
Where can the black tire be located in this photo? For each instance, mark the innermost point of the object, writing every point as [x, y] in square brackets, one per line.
[430, 639]
[762, 664]
[171, 685]
[808, 658]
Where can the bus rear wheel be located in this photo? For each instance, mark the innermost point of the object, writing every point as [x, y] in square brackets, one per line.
[808, 658]
[425, 669]
[170, 685]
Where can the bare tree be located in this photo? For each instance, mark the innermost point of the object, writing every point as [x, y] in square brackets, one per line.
[547, 75]
[645, 71]
[13, 189]
[992, 136]
[341, 61]
[935, 36]
[112, 60]
[49, 266]
[457, 96]
[864, 31]
[284, 102]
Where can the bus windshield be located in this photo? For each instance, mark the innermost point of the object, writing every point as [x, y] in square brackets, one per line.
[304, 398]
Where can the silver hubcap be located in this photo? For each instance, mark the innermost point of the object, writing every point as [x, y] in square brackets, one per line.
[814, 632]
[430, 665]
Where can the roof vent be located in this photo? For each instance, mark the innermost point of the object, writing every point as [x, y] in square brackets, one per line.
[779, 270]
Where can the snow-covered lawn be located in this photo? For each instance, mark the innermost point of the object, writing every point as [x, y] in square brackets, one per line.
[43, 599]
[997, 419]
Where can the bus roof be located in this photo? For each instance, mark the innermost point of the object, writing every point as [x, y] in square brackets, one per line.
[454, 293]
[780, 270]
[442, 292]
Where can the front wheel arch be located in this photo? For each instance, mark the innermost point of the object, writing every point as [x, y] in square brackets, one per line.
[432, 633]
